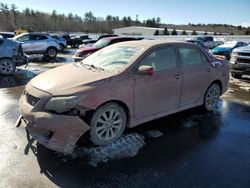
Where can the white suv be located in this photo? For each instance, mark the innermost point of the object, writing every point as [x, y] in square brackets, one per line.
[37, 43]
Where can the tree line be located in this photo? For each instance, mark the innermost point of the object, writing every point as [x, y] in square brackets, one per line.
[11, 19]
[33, 20]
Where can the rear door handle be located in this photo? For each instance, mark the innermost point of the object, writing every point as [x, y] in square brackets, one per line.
[208, 69]
[177, 75]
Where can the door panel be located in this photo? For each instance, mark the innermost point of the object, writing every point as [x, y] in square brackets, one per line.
[160, 91]
[25, 40]
[196, 72]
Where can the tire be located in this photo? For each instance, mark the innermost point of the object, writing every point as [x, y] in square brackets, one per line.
[76, 45]
[7, 67]
[51, 52]
[107, 124]
[238, 76]
[211, 97]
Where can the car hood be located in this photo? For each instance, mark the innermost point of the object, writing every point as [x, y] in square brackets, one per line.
[243, 49]
[69, 79]
[219, 49]
[88, 49]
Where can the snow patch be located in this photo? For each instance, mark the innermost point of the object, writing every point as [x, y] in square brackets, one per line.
[245, 88]
[124, 147]
[153, 134]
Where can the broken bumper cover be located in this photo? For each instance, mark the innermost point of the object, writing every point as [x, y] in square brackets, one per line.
[56, 132]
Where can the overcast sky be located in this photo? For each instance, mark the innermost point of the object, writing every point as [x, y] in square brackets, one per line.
[174, 11]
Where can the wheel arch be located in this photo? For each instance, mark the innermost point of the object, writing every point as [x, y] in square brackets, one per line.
[6, 58]
[52, 47]
[219, 84]
[123, 105]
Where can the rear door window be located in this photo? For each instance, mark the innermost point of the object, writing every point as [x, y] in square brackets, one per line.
[191, 56]
[42, 37]
[38, 37]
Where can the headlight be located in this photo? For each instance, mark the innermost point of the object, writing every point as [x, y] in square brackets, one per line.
[63, 104]
[233, 57]
[234, 53]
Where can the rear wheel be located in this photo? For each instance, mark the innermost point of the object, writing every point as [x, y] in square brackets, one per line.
[107, 124]
[7, 66]
[211, 97]
[238, 76]
[51, 52]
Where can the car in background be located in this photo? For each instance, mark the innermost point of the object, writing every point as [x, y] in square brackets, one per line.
[122, 85]
[6, 35]
[240, 62]
[90, 42]
[227, 48]
[209, 41]
[82, 53]
[87, 42]
[11, 56]
[199, 43]
[37, 43]
[62, 42]
[72, 41]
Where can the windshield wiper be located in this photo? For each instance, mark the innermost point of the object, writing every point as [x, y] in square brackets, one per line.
[92, 66]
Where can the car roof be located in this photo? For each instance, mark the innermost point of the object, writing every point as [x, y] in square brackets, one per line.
[32, 33]
[117, 37]
[150, 43]
[194, 41]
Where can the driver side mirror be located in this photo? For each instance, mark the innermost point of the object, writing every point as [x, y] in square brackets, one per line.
[145, 70]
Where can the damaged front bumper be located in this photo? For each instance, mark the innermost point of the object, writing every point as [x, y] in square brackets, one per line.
[56, 132]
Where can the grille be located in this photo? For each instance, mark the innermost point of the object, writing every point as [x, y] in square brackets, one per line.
[244, 54]
[240, 60]
[31, 99]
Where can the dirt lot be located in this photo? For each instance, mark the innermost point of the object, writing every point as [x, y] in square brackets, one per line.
[188, 149]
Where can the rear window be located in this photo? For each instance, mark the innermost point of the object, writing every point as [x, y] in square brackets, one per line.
[209, 38]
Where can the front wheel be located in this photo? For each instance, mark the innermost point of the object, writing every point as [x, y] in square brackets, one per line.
[107, 124]
[76, 45]
[211, 97]
[51, 52]
[7, 66]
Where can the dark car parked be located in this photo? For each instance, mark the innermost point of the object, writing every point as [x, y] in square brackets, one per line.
[75, 41]
[84, 52]
[227, 48]
[11, 56]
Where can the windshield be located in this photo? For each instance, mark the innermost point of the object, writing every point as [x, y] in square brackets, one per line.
[101, 43]
[229, 44]
[113, 59]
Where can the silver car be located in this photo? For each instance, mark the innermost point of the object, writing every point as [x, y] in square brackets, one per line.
[11, 55]
[36, 43]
